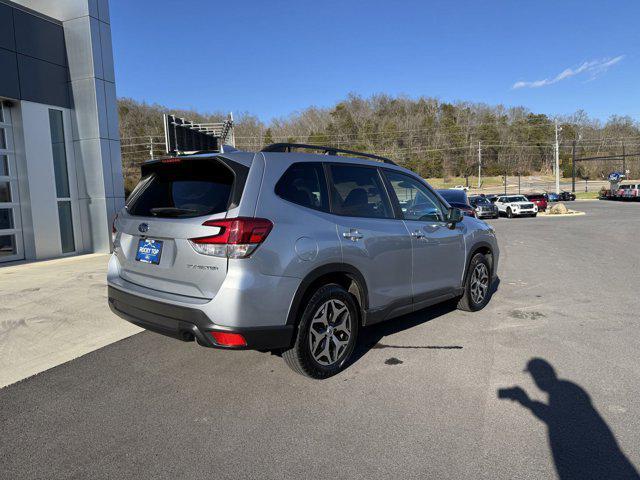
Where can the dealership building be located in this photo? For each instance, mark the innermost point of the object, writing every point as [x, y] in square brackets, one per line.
[60, 168]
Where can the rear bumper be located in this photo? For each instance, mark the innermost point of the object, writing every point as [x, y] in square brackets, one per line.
[189, 324]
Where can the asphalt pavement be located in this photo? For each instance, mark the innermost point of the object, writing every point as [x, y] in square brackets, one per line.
[430, 395]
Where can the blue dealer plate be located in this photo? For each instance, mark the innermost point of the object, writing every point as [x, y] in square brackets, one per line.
[149, 251]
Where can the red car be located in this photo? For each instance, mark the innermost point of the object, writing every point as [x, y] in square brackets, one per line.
[539, 199]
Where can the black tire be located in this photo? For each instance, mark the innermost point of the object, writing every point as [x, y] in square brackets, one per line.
[466, 302]
[509, 213]
[299, 357]
[535, 215]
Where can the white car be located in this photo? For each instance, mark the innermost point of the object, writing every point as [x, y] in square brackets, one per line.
[516, 205]
[460, 187]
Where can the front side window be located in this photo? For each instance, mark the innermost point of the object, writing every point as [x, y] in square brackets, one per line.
[358, 192]
[304, 184]
[416, 201]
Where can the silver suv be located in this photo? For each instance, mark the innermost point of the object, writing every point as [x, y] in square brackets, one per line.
[290, 252]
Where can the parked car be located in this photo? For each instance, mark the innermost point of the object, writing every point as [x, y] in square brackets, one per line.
[516, 206]
[539, 199]
[291, 253]
[566, 196]
[461, 187]
[458, 199]
[492, 197]
[483, 207]
[552, 197]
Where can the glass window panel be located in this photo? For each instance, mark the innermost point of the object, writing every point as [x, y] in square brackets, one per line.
[416, 201]
[6, 218]
[304, 184]
[57, 127]
[5, 192]
[4, 166]
[60, 170]
[59, 153]
[1, 112]
[7, 245]
[358, 192]
[3, 139]
[66, 227]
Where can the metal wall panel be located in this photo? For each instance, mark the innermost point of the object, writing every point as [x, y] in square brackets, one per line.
[9, 85]
[43, 82]
[7, 39]
[39, 38]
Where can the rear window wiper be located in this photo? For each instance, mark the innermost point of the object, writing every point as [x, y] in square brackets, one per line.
[172, 211]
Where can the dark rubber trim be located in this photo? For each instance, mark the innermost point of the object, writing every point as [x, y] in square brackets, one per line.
[186, 323]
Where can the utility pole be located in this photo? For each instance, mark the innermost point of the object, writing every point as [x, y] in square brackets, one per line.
[479, 165]
[557, 145]
[624, 162]
[151, 147]
[518, 182]
[573, 168]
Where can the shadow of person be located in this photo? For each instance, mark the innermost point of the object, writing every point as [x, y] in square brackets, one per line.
[582, 444]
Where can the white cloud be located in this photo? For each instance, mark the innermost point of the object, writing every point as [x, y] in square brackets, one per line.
[593, 68]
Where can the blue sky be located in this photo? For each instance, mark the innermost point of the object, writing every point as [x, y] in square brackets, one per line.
[271, 58]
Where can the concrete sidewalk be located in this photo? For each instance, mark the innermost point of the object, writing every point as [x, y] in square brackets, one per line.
[52, 312]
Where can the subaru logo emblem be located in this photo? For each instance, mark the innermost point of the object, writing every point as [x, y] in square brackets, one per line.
[143, 228]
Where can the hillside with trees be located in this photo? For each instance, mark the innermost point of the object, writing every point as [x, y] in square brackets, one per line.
[431, 137]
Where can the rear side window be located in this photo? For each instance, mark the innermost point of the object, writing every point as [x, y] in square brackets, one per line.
[304, 184]
[190, 188]
[358, 192]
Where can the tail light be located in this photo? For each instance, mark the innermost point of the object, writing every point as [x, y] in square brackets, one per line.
[236, 238]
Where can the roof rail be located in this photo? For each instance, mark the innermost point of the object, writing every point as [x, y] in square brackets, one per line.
[287, 147]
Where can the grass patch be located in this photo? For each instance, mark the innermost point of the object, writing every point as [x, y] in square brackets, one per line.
[587, 195]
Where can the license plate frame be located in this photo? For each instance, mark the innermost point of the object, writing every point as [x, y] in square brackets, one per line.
[152, 252]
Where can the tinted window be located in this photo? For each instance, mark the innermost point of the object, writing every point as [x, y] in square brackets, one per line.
[304, 184]
[416, 201]
[479, 201]
[358, 192]
[189, 188]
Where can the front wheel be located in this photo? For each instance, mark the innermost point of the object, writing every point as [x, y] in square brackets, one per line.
[326, 334]
[477, 286]
[509, 213]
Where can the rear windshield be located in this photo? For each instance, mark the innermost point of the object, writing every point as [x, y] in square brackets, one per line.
[189, 188]
[479, 201]
[458, 196]
[535, 197]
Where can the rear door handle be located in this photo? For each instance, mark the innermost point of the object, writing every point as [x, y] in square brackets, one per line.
[353, 234]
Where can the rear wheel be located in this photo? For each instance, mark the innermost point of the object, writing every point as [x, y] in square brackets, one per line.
[326, 334]
[477, 285]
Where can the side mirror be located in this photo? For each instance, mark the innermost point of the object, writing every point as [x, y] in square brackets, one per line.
[454, 216]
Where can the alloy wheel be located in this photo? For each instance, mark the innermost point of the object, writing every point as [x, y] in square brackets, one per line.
[479, 283]
[330, 332]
